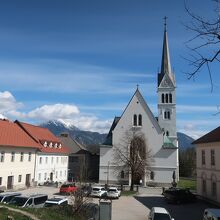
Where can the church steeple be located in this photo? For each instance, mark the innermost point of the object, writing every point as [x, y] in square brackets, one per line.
[165, 63]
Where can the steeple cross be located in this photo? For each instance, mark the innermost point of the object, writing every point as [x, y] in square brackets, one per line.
[165, 22]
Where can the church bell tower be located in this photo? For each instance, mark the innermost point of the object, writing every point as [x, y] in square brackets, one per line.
[167, 93]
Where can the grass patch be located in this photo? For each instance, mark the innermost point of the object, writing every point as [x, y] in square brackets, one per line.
[4, 213]
[187, 183]
[128, 193]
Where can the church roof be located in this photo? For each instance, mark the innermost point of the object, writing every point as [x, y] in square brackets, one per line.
[212, 136]
[167, 143]
[108, 140]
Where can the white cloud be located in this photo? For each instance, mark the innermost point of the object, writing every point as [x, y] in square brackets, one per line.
[8, 102]
[196, 108]
[56, 111]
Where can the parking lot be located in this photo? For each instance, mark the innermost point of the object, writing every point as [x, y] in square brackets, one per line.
[129, 208]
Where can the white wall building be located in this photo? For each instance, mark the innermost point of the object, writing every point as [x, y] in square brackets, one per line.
[17, 156]
[160, 133]
[52, 157]
[208, 165]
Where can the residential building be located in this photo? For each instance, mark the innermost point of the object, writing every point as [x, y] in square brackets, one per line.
[208, 165]
[51, 158]
[17, 156]
[159, 132]
[82, 164]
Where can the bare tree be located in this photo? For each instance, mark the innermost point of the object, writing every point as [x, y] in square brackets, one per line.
[132, 155]
[204, 46]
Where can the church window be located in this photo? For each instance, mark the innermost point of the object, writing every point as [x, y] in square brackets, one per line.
[167, 115]
[135, 120]
[162, 97]
[167, 98]
[122, 174]
[152, 175]
[139, 120]
[170, 98]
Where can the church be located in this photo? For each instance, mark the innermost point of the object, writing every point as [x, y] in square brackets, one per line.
[159, 132]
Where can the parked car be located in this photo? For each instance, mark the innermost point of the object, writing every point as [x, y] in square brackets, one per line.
[159, 213]
[56, 201]
[68, 188]
[113, 192]
[178, 195]
[8, 196]
[213, 214]
[98, 191]
[33, 201]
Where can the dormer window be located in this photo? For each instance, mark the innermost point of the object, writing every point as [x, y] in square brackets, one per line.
[56, 145]
[45, 144]
[60, 145]
[51, 145]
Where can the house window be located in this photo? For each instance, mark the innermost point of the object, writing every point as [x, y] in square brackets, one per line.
[139, 120]
[29, 156]
[19, 178]
[162, 98]
[45, 176]
[12, 156]
[2, 156]
[203, 157]
[65, 173]
[204, 186]
[167, 98]
[51, 159]
[214, 189]
[60, 173]
[57, 159]
[46, 159]
[56, 174]
[39, 177]
[122, 174]
[22, 156]
[212, 157]
[0, 181]
[135, 120]
[40, 160]
[167, 133]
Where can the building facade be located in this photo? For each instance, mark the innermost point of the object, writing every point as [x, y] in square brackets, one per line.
[17, 157]
[159, 132]
[208, 165]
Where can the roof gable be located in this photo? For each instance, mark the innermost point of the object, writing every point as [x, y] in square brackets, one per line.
[212, 136]
[166, 82]
[146, 109]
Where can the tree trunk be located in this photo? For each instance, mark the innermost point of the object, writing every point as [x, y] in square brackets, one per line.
[132, 182]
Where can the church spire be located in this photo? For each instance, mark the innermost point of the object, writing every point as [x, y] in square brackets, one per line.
[165, 64]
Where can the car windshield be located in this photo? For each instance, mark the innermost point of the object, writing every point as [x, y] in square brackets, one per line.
[19, 201]
[112, 190]
[161, 216]
[96, 189]
[64, 186]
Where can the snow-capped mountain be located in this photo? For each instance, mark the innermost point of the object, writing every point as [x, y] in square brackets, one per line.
[90, 138]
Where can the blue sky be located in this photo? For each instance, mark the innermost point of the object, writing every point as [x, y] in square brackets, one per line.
[80, 61]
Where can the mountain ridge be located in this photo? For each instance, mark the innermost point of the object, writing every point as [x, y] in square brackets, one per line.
[95, 138]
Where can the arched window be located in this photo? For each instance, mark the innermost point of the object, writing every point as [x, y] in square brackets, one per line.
[139, 120]
[152, 175]
[167, 97]
[135, 120]
[162, 98]
[167, 115]
[167, 133]
[170, 97]
[122, 174]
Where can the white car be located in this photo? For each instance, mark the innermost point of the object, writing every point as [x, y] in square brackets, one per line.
[113, 192]
[98, 191]
[159, 213]
[56, 201]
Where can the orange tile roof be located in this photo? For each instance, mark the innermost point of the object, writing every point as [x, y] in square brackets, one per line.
[42, 135]
[12, 135]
